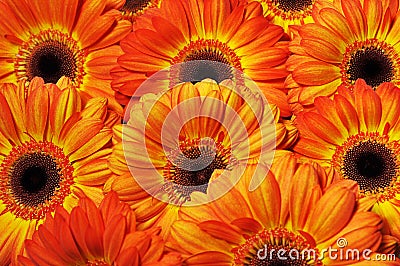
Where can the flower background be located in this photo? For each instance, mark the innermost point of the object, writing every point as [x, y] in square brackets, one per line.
[199, 132]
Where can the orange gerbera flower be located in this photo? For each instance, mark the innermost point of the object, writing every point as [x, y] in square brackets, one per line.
[358, 134]
[292, 211]
[228, 35]
[192, 135]
[52, 39]
[114, 240]
[285, 13]
[52, 150]
[358, 39]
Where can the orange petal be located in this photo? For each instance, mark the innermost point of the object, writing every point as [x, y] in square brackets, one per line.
[314, 149]
[315, 73]
[209, 258]
[347, 114]
[193, 240]
[221, 230]
[301, 194]
[78, 135]
[335, 21]
[113, 238]
[355, 18]
[324, 129]
[332, 212]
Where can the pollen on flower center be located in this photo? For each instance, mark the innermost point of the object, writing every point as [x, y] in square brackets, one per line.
[290, 9]
[372, 161]
[34, 178]
[372, 60]
[50, 55]
[258, 250]
[134, 8]
[192, 167]
[205, 59]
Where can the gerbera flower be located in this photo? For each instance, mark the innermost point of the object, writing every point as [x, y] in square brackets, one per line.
[210, 39]
[52, 39]
[358, 134]
[182, 141]
[285, 13]
[355, 40]
[52, 150]
[291, 211]
[114, 240]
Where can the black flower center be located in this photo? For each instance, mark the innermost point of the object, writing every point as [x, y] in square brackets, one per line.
[135, 6]
[194, 167]
[51, 60]
[206, 63]
[292, 5]
[34, 179]
[372, 65]
[191, 170]
[372, 165]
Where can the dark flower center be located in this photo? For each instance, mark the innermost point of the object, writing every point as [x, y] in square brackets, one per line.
[372, 65]
[135, 6]
[205, 58]
[292, 5]
[191, 169]
[372, 165]
[202, 65]
[34, 179]
[274, 247]
[51, 60]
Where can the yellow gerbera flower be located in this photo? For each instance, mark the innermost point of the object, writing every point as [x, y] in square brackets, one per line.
[187, 138]
[52, 39]
[212, 39]
[292, 210]
[358, 134]
[114, 240]
[52, 150]
[356, 39]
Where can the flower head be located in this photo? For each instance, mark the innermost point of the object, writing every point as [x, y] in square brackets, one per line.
[181, 142]
[295, 209]
[53, 150]
[52, 39]
[361, 141]
[63, 240]
[356, 39]
[208, 39]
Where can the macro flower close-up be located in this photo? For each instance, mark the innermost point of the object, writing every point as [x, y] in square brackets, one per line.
[356, 39]
[214, 132]
[234, 35]
[294, 211]
[362, 144]
[70, 245]
[48, 156]
[199, 132]
[50, 39]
